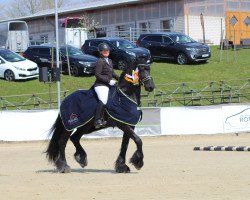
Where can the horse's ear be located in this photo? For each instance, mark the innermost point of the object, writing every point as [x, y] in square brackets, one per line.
[144, 66]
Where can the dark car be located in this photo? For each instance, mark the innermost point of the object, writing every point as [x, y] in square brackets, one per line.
[79, 62]
[174, 46]
[122, 52]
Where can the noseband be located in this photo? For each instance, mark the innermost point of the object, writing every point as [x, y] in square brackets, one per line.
[147, 78]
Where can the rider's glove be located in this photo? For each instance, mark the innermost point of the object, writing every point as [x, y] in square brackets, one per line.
[112, 82]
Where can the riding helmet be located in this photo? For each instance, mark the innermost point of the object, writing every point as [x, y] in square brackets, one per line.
[103, 46]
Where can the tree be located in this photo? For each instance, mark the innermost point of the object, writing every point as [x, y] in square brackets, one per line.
[89, 24]
[2, 7]
[19, 8]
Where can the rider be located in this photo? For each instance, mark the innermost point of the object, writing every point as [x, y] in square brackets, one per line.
[104, 73]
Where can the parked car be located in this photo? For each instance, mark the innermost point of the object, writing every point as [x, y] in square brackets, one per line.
[174, 46]
[122, 52]
[15, 67]
[79, 62]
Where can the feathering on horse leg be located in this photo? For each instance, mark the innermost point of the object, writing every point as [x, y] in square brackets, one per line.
[52, 152]
[61, 163]
[120, 164]
[80, 155]
[137, 158]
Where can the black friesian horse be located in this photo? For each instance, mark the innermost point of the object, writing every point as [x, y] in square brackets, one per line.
[129, 84]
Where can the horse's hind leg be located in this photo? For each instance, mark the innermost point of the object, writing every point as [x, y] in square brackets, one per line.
[120, 164]
[80, 155]
[56, 147]
[61, 163]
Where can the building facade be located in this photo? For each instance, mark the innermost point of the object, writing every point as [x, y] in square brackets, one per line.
[128, 18]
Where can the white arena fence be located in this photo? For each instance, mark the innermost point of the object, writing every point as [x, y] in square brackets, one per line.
[231, 118]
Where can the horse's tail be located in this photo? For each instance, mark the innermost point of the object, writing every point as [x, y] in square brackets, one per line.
[52, 152]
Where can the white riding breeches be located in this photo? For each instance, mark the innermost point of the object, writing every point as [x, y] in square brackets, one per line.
[102, 93]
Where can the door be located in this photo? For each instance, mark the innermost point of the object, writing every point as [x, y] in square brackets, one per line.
[167, 48]
[237, 26]
[153, 43]
[2, 67]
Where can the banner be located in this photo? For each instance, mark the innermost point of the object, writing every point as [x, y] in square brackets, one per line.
[191, 120]
[236, 118]
[26, 125]
[35, 125]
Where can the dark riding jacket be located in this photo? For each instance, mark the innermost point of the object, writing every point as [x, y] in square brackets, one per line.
[104, 72]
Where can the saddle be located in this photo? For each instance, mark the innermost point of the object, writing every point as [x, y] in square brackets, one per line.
[78, 108]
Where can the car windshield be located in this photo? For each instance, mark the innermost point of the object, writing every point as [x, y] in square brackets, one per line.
[123, 44]
[72, 51]
[11, 56]
[181, 38]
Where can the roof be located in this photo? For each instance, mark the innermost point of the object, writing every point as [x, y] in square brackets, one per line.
[108, 38]
[49, 45]
[79, 7]
[162, 33]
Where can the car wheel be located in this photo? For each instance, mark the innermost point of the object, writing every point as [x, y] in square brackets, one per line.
[122, 64]
[74, 71]
[9, 75]
[182, 59]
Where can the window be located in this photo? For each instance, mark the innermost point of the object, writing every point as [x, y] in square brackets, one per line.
[123, 44]
[167, 25]
[167, 40]
[94, 43]
[10, 56]
[181, 39]
[44, 38]
[144, 26]
[153, 38]
[45, 51]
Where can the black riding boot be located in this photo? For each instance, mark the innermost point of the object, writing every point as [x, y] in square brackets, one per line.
[99, 122]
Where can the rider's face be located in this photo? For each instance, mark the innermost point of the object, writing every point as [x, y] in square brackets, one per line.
[105, 53]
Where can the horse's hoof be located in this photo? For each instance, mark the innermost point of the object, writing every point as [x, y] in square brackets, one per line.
[65, 169]
[82, 161]
[122, 169]
[137, 160]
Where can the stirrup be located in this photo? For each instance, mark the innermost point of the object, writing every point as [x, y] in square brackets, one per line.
[98, 123]
[103, 123]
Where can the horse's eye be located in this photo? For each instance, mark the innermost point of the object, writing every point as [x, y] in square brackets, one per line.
[141, 67]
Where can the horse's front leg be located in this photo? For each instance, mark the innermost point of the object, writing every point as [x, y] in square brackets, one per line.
[137, 158]
[61, 163]
[120, 164]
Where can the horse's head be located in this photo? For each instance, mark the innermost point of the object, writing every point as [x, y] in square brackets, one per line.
[144, 76]
[136, 75]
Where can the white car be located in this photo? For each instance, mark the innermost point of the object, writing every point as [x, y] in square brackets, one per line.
[15, 67]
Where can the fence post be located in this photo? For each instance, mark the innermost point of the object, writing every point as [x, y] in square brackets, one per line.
[130, 34]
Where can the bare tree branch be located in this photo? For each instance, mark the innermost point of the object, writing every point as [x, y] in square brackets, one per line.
[19, 8]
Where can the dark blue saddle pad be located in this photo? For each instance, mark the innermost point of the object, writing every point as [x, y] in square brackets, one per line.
[79, 108]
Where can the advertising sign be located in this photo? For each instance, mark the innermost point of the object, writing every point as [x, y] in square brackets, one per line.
[236, 118]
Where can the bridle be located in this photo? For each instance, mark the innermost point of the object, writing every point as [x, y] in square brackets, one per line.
[145, 79]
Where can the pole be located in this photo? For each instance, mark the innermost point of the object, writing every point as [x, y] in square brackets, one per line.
[57, 56]
[234, 45]
[203, 27]
[221, 45]
[221, 40]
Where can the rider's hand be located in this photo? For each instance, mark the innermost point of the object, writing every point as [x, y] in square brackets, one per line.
[112, 82]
